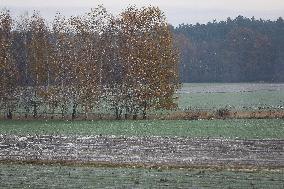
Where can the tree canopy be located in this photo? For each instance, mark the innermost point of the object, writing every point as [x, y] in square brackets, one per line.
[127, 64]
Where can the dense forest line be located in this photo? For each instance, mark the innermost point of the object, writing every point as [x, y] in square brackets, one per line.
[235, 50]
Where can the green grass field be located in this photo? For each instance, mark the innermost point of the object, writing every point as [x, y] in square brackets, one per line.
[40, 176]
[244, 129]
[259, 96]
[209, 96]
[238, 101]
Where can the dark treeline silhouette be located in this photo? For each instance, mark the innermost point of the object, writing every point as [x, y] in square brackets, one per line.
[235, 50]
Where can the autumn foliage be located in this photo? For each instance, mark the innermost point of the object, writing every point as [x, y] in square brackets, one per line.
[95, 63]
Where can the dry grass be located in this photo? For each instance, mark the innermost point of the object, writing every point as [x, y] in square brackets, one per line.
[174, 115]
[221, 114]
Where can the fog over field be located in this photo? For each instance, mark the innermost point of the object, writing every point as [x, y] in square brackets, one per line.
[180, 11]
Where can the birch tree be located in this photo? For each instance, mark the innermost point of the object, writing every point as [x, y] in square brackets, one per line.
[149, 58]
[8, 70]
[39, 59]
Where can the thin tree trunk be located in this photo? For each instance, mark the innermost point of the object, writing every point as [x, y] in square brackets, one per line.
[134, 116]
[126, 113]
[74, 111]
[86, 113]
[35, 110]
[62, 112]
[118, 113]
[35, 106]
[144, 110]
[10, 115]
[52, 112]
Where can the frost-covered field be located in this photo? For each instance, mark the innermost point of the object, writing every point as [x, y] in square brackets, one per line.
[143, 151]
[248, 144]
[102, 153]
[39, 176]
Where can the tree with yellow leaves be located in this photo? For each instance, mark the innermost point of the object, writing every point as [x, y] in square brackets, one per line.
[150, 62]
[127, 64]
[8, 71]
[39, 58]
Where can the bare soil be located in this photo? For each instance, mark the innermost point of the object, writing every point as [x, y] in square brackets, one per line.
[143, 151]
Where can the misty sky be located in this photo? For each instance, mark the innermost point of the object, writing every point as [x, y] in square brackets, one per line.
[177, 11]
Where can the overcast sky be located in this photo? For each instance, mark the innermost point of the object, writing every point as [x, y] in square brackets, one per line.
[177, 11]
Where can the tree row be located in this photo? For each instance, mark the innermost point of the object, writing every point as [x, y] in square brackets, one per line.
[124, 65]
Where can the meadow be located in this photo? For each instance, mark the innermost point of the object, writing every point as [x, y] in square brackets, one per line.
[231, 128]
[236, 96]
[42, 176]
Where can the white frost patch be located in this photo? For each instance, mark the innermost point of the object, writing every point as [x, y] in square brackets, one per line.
[70, 144]
[84, 138]
[22, 139]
